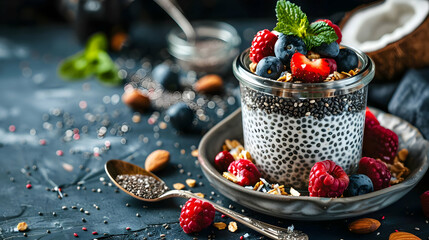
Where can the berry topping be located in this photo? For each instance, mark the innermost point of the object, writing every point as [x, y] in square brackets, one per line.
[222, 161]
[376, 170]
[196, 215]
[328, 49]
[262, 45]
[370, 119]
[309, 71]
[286, 46]
[335, 27]
[359, 184]
[380, 143]
[424, 200]
[269, 67]
[332, 65]
[327, 180]
[346, 60]
[245, 171]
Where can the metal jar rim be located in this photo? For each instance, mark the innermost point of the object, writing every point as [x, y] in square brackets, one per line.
[366, 73]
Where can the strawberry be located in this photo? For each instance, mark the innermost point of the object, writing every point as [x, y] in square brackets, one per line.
[332, 65]
[309, 71]
[335, 27]
[262, 45]
[381, 143]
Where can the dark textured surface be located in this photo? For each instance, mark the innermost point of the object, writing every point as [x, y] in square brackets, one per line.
[410, 100]
[29, 88]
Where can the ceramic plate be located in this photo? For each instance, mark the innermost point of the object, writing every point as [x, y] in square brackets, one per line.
[314, 208]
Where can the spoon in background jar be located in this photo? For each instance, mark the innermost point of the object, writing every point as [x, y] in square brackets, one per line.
[179, 18]
[118, 167]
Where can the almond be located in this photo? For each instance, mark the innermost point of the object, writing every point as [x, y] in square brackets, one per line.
[364, 225]
[191, 182]
[403, 236]
[209, 84]
[136, 100]
[178, 186]
[157, 160]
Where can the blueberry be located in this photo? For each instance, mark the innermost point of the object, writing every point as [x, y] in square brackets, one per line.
[359, 184]
[166, 76]
[269, 67]
[330, 50]
[286, 46]
[346, 60]
[181, 116]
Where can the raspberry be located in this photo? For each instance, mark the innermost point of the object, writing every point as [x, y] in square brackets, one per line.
[327, 180]
[370, 119]
[424, 200]
[262, 45]
[376, 170]
[380, 143]
[196, 215]
[222, 161]
[245, 171]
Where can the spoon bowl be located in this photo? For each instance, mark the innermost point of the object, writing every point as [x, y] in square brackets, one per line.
[117, 167]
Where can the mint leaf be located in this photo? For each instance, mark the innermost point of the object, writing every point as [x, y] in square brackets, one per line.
[290, 19]
[318, 33]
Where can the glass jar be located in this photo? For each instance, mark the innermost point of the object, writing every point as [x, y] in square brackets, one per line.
[215, 47]
[288, 127]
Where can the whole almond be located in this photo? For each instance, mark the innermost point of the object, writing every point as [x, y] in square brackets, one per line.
[209, 84]
[403, 236]
[157, 160]
[136, 100]
[364, 225]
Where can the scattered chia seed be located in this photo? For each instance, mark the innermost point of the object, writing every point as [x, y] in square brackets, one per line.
[142, 185]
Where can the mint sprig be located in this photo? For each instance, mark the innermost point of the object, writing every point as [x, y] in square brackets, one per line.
[291, 20]
[93, 61]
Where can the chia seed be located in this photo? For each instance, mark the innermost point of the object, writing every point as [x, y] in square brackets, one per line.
[141, 185]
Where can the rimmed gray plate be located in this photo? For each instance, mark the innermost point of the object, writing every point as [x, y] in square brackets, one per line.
[314, 208]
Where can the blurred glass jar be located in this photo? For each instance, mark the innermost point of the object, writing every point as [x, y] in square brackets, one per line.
[215, 47]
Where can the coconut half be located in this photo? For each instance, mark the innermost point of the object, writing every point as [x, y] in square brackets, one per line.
[393, 33]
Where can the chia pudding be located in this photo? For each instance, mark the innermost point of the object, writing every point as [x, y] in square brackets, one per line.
[288, 127]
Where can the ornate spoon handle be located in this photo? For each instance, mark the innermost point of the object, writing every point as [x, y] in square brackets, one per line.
[265, 229]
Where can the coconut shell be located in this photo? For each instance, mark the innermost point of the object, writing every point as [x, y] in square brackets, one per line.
[392, 61]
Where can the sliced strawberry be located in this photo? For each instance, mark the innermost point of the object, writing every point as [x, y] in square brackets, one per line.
[335, 27]
[309, 71]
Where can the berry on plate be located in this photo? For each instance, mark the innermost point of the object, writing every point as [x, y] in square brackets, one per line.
[424, 200]
[196, 215]
[327, 179]
[380, 143]
[309, 71]
[262, 45]
[328, 49]
[269, 67]
[359, 184]
[376, 170]
[223, 160]
[246, 172]
[370, 119]
[346, 60]
[335, 27]
[286, 46]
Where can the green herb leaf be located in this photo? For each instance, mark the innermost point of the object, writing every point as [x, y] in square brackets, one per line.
[318, 33]
[74, 67]
[290, 19]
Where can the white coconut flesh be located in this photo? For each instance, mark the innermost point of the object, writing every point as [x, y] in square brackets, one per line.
[373, 28]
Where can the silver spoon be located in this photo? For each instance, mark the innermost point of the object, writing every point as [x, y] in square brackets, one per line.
[118, 167]
[179, 18]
